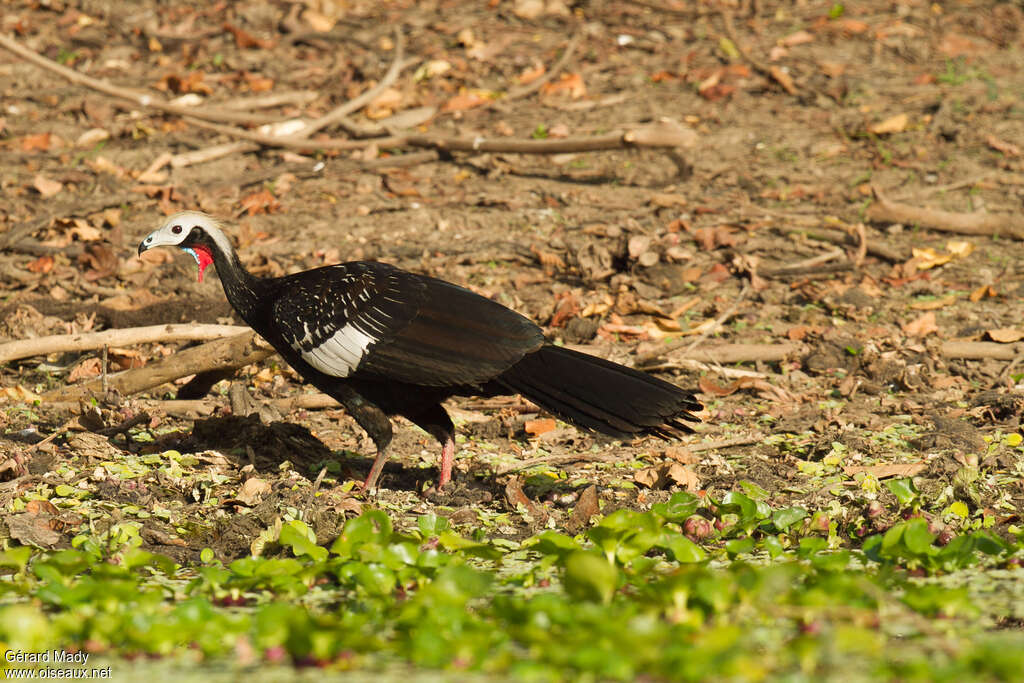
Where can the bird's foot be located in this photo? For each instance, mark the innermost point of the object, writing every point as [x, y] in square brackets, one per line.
[438, 494]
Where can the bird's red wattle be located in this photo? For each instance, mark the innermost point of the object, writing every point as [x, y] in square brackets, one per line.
[205, 258]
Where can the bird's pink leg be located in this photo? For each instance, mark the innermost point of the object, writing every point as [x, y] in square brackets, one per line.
[375, 470]
[447, 460]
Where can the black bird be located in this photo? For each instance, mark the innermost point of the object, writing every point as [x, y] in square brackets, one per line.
[383, 341]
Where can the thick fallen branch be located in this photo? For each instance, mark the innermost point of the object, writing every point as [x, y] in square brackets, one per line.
[886, 211]
[660, 135]
[745, 353]
[972, 350]
[60, 343]
[230, 352]
[724, 353]
[204, 407]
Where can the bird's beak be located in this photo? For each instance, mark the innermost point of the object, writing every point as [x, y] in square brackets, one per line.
[155, 239]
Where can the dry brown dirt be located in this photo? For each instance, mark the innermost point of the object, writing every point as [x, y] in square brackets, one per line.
[615, 252]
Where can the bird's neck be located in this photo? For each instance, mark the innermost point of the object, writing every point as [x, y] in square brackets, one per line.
[242, 288]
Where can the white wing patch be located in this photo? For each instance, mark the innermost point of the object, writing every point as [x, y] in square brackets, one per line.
[340, 354]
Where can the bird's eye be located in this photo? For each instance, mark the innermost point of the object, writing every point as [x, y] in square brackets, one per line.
[176, 229]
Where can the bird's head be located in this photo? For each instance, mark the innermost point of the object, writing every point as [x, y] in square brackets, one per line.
[192, 231]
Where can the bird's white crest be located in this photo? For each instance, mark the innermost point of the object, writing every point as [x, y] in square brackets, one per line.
[177, 228]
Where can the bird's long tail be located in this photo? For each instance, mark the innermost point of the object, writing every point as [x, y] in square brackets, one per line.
[597, 394]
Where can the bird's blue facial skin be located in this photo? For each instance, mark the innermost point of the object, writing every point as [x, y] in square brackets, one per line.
[192, 253]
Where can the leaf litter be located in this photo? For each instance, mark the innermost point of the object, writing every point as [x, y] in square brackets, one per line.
[863, 494]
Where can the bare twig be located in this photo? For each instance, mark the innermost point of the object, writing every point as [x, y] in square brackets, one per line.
[312, 492]
[873, 247]
[140, 99]
[556, 68]
[918, 192]
[697, 366]
[720, 320]
[358, 102]
[270, 100]
[725, 443]
[886, 211]
[230, 352]
[811, 265]
[59, 343]
[200, 156]
[770, 72]
[80, 208]
[682, 13]
[557, 460]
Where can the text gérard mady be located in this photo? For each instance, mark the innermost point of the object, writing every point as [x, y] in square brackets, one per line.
[46, 657]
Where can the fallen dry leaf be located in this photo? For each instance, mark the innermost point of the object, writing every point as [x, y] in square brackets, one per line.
[253, 490]
[934, 304]
[784, 79]
[87, 369]
[45, 186]
[927, 258]
[982, 292]
[246, 40]
[19, 393]
[259, 202]
[682, 454]
[714, 237]
[960, 248]
[1007, 148]
[466, 100]
[893, 124]
[1005, 335]
[539, 426]
[587, 505]
[684, 476]
[43, 264]
[320, 23]
[762, 386]
[921, 327]
[800, 332]
[649, 477]
[660, 476]
[92, 137]
[570, 84]
[32, 529]
[99, 260]
[39, 142]
[35, 507]
[530, 74]
[797, 38]
[890, 470]
[528, 9]
[516, 497]
[432, 69]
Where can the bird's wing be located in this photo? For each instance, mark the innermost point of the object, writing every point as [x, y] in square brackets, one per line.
[376, 321]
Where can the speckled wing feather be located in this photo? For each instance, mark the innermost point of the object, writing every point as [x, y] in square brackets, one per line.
[375, 321]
